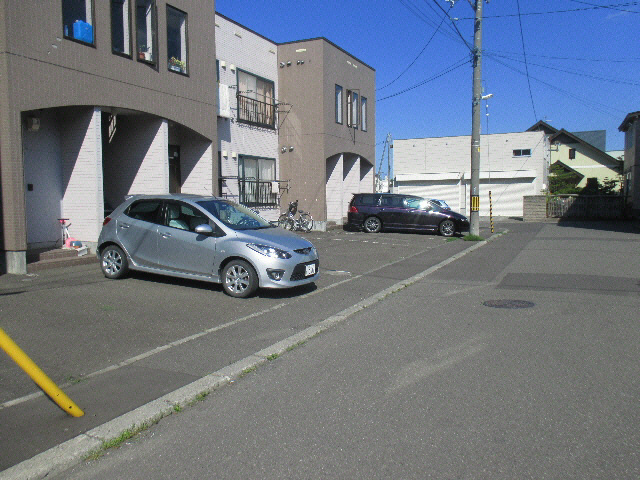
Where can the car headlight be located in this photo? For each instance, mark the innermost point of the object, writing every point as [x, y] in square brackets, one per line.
[269, 251]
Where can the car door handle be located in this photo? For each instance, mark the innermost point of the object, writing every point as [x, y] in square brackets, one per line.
[124, 225]
[165, 234]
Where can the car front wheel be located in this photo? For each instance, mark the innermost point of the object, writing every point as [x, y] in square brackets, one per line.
[447, 228]
[113, 262]
[372, 225]
[239, 279]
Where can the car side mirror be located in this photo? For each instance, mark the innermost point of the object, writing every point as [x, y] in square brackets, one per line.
[204, 229]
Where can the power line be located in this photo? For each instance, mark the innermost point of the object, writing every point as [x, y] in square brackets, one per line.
[568, 10]
[574, 72]
[610, 7]
[453, 67]
[526, 65]
[604, 60]
[601, 107]
[415, 59]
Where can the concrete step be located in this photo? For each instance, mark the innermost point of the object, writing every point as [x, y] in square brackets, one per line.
[57, 258]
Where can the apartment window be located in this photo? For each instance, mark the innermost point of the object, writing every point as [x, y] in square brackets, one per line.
[352, 109]
[176, 40]
[255, 100]
[255, 179]
[572, 154]
[146, 30]
[339, 104]
[77, 20]
[525, 152]
[363, 112]
[120, 27]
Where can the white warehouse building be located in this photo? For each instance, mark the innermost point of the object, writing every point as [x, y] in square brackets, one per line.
[512, 165]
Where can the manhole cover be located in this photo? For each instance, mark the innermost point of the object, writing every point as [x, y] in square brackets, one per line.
[508, 304]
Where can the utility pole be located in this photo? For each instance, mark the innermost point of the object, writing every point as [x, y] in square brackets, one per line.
[474, 217]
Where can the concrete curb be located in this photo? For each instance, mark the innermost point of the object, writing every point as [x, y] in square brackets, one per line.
[67, 454]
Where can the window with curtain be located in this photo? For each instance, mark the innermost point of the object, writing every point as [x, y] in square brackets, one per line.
[352, 109]
[255, 100]
[77, 20]
[146, 30]
[339, 104]
[363, 113]
[120, 27]
[176, 40]
[255, 177]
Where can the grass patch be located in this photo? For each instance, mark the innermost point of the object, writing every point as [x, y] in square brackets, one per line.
[452, 239]
[296, 345]
[74, 380]
[248, 370]
[177, 408]
[273, 356]
[116, 442]
[472, 238]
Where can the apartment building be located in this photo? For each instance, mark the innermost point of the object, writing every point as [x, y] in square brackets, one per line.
[247, 117]
[326, 110]
[103, 99]
[99, 99]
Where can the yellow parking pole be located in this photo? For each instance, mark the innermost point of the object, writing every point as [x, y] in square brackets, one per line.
[38, 376]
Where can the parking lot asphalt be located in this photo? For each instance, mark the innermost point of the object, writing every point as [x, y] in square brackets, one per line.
[114, 346]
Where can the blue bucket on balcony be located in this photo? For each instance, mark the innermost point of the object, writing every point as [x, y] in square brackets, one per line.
[83, 31]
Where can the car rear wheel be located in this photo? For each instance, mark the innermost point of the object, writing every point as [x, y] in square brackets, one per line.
[113, 262]
[372, 225]
[447, 228]
[239, 279]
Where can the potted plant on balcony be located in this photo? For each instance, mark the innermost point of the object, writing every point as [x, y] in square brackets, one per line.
[177, 65]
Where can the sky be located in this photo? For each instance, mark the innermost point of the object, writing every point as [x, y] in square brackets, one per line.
[574, 64]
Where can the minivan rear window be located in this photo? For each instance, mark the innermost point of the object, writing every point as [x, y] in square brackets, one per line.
[368, 200]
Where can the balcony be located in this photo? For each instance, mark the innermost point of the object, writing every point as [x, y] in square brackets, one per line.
[256, 112]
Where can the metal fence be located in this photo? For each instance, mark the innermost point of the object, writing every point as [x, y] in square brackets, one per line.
[254, 193]
[585, 206]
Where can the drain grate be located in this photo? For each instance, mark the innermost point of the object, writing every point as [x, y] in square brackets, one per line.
[508, 304]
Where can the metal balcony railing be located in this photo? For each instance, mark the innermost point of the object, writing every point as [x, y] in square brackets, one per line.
[256, 112]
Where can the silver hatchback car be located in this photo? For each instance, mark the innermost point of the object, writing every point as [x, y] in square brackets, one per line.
[204, 238]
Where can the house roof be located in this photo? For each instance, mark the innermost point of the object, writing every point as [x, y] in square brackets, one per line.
[568, 137]
[542, 126]
[629, 119]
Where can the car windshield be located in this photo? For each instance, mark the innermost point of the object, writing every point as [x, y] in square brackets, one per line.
[234, 215]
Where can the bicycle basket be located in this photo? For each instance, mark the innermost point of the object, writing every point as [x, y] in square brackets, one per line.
[293, 208]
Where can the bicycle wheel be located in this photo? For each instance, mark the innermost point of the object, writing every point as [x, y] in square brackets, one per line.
[306, 222]
[286, 222]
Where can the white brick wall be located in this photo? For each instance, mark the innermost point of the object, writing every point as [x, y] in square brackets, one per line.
[238, 47]
[334, 188]
[82, 202]
[351, 183]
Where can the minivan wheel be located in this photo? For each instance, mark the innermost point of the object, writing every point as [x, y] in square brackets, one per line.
[447, 228]
[372, 225]
[239, 279]
[113, 262]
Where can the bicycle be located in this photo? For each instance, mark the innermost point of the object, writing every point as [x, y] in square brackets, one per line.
[65, 230]
[288, 221]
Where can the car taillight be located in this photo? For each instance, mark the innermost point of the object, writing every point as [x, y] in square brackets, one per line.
[353, 209]
[106, 220]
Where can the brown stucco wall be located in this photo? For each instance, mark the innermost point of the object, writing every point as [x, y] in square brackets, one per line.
[307, 94]
[40, 69]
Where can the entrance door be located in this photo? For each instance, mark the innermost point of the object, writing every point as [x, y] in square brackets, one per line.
[175, 180]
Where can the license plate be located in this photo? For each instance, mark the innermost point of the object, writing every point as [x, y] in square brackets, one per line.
[309, 270]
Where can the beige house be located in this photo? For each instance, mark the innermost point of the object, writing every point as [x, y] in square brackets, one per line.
[579, 155]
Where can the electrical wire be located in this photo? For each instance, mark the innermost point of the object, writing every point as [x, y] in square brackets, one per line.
[577, 73]
[597, 106]
[526, 64]
[414, 60]
[449, 69]
[569, 10]
[610, 7]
